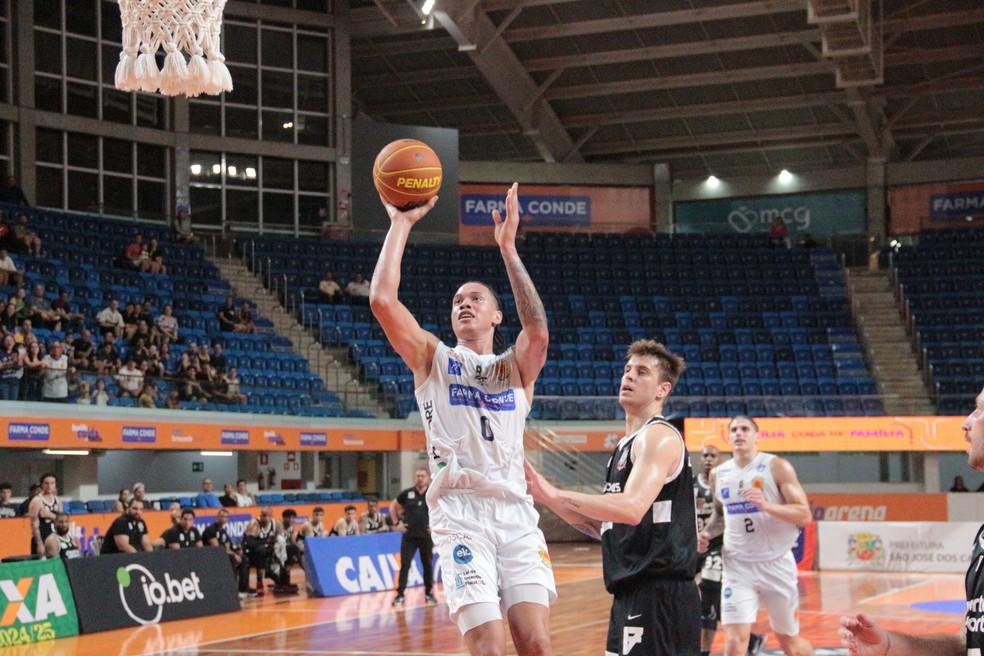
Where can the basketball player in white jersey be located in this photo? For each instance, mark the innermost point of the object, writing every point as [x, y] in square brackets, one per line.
[759, 507]
[474, 405]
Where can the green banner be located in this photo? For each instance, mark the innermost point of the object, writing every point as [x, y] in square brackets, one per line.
[35, 602]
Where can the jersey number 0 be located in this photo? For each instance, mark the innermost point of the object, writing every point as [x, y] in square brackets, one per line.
[487, 434]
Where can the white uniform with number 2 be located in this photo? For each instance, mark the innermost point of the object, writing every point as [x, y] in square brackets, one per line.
[482, 520]
[758, 561]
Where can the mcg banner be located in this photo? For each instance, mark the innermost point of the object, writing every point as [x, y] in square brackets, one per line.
[822, 214]
[122, 590]
[35, 602]
[897, 546]
[359, 563]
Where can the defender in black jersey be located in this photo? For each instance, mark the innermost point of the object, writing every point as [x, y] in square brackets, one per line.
[61, 544]
[184, 535]
[645, 518]
[863, 637]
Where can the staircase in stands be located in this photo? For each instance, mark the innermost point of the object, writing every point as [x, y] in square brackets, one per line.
[889, 347]
[329, 364]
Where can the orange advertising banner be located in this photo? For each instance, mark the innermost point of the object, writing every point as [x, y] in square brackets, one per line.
[552, 208]
[916, 507]
[942, 205]
[813, 434]
[145, 433]
[15, 534]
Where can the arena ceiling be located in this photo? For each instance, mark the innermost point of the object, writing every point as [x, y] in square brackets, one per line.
[727, 87]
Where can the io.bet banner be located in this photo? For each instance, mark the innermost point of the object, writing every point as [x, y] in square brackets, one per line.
[36, 603]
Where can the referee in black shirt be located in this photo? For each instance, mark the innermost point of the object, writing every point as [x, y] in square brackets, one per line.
[412, 518]
[184, 535]
[128, 532]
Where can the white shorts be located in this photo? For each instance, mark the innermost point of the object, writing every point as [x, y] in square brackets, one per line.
[746, 584]
[488, 546]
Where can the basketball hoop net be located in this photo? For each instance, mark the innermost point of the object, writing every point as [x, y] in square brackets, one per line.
[177, 27]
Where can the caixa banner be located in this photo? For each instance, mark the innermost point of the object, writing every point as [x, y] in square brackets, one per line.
[35, 603]
[359, 563]
[121, 590]
[823, 214]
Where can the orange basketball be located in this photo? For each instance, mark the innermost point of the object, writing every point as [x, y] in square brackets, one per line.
[407, 173]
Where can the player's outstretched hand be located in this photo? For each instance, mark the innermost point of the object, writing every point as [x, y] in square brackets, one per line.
[538, 487]
[410, 216]
[862, 637]
[505, 228]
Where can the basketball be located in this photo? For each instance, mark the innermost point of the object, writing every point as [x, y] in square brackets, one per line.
[407, 173]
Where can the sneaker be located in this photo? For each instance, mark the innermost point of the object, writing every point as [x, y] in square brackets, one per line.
[243, 595]
[398, 600]
[430, 599]
[756, 643]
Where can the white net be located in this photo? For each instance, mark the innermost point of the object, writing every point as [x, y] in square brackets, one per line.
[177, 27]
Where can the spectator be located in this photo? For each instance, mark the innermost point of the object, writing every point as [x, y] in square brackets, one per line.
[110, 320]
[25, 334]
[106, 360]
[74, 381]
[184, 535]
[191, 389]
[228, 498]
[60, 544]
[129, 379]
[32, 382]
[182, 226]
[218, 360]
[779, 233]
[154, 365]
[246, 320]
[41, 312]
[135, 254]
[131, 317]
[122, 499]
[349, 524]
[128, 532]
[167, 324]
[33, 491]
[148, 396]
[243, 497]
[958, 485]
[204, 359]
[229, 318]
[330, 290]
[85, 394]
[11, 368]
[82, 351]
[8, 271]
[206, 498]
[56, 374]
[232, 393]
[139, 491]
[22, 309]
[12, 193]
[9, 320]
[154, 258]
[7, 509]
[173, 401]
[358, 289]
[215, 535]
[61, 308]
[100, 396]
[372, 521]
[26, 240]
[808, 242]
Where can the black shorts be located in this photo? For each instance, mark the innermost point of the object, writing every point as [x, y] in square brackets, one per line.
[655, 618]
[710, 604]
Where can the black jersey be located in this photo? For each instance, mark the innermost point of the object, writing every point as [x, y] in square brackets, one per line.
[974, 583]
[218, 533]
[184, 539]
[374, 524]
[67, 547]
[46, 525]
[704, 497]
[664, 544]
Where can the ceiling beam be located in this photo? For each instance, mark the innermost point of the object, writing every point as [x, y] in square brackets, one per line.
[504, 73]
[498, 5]
[749, 137]
[933, 21]
[687, 81]
[397, 78]
[425, 42]
[848, 141]
[865, 122]
[934, 55]
[711, 46]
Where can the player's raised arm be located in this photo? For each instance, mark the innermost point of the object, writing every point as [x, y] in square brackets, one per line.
[412, 343]
[531, 345]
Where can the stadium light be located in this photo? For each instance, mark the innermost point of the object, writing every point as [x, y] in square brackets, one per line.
[65, 452]
[196, 169]
[225, 454]
[216, 169]
[713, 182]
[428, 7]
[785, 176]
[232, 169]
[250, 173]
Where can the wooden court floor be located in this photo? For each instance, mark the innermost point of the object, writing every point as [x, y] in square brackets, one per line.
[366, 625]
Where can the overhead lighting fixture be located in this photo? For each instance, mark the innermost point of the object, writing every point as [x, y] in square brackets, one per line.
[250, 173]
[196, 169]
[65, 452]
[216, 169]
[785, 176]
[288, 125]
[428, 7]
[224, 454]
[713, 182]
[231, 170]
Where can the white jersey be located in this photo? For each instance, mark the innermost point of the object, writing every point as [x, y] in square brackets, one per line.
[474, 412]
[749, 533]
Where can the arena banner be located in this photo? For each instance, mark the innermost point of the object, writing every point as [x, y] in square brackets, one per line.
[790, 434]
[897, 546]
[122, 590]
[822, 214]
[15, 533]
[892, 507]
[93, 432]
[36, 603]
[360, 563]
[943, 205]
[549, 208]
[805, 549]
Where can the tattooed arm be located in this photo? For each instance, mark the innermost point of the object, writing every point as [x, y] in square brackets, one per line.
[531, 345]
[543, 492]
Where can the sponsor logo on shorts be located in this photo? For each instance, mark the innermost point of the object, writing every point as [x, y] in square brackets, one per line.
[462, 554]
[865, 548]
[631, 636]
[545, 557]
[454, 367]
[467, 577]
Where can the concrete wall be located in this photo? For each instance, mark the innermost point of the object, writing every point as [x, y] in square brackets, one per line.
[162, 471]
